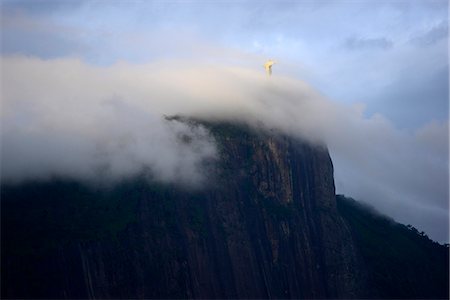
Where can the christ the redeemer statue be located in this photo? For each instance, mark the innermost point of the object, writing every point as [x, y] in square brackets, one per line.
[268, 66]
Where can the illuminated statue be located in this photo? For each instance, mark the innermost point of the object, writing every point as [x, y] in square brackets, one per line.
[268, 66]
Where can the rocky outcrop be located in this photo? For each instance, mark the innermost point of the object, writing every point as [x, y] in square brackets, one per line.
[266, 226]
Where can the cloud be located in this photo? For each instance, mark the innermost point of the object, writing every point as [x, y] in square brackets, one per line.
[355, 43]
[66, 117]
[42, 7]
[435, 34]
[79, 122]
[308, 38]
[21, 34]
[404, 175]
[413, 98]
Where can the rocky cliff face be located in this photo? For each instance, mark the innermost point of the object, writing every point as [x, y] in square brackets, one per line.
[267, 226]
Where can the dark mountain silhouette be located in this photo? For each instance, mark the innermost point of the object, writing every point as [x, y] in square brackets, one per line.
[402, 262]
[267, 225]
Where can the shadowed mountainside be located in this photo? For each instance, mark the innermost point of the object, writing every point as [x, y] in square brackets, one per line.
[402, 262]
[266, 226]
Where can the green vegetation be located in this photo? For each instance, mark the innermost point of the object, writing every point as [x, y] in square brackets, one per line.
[402, 262]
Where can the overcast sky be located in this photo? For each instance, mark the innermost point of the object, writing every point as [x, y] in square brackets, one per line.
[384, 63]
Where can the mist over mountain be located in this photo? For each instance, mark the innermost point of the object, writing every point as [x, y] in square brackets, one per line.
[268, 225]
[202, 149]
[93, 123]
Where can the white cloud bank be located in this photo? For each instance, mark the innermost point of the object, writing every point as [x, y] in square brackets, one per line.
[65, 117]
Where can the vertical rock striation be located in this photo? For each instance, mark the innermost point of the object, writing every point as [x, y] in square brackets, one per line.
[266, 226]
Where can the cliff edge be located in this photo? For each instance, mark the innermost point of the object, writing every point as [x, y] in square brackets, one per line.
[266, 225]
